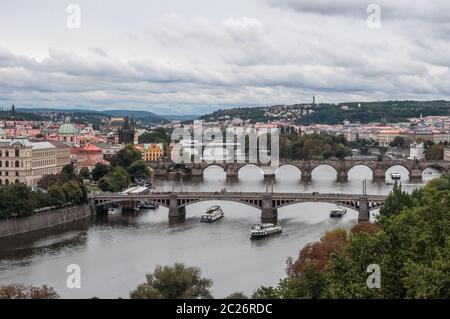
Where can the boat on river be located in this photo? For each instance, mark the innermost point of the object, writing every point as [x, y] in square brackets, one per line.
[264, 230]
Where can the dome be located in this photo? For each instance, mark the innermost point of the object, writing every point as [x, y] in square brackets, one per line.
[67, 129]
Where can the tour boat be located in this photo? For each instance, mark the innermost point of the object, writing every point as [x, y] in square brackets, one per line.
[338, 212]
[115, 210]
[264, 230]
[395, 175]
[145, 205]
[212, 214]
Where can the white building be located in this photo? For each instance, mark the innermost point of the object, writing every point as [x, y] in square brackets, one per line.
[447, 153]
[416, 151]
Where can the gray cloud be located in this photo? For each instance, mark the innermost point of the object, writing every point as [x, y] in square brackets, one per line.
[283, 52]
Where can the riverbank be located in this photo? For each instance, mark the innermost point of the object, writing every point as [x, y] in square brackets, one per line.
[44, 220]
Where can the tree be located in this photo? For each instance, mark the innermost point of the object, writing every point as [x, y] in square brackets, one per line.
[56, 195]
[435, 152]
[138, 170]
[84, 173]
[73, 192]
[48, 180]
[68, 173]
[399, 141]
[174, 282]
[99, 171]
[126, 156]
[107, 185]
[120, 177]
[237, 295]
[20, 291]
[396, 201]
[158, 135]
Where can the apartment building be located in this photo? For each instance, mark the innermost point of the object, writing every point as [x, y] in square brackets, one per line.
[27, 162]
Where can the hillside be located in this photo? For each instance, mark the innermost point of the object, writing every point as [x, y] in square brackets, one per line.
[363, 112]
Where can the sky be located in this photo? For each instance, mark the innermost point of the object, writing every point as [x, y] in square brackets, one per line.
[192, 57]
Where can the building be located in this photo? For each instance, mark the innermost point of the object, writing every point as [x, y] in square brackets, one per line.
[151, 152]
[2, 134]
[416, 151]
[127, 133]
[27, 162]
[441, 137]
[109, 150]
[384, 137]
[87, 156]
[67, 133]
[447, 153]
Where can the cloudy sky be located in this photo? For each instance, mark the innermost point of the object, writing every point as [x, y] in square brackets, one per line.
[190, 57]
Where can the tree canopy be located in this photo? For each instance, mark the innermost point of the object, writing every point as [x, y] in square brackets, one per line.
[174, 282]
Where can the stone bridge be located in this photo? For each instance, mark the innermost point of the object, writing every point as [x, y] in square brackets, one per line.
[342, 167]
[268, 203]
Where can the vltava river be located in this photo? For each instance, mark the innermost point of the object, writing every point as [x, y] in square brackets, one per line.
[116, 252]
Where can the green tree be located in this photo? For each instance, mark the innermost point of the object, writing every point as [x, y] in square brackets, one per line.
[435, 152]
[236, 295]
[68, 173]
[138, 170]
[99, 171]
[126, 156]
[158, 135]
[84, 173]
[56, 195]
[120, 177]
[105, 184]
[400, 142]
[174, 282]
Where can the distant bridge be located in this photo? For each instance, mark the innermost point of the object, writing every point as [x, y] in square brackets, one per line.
[342, 167]
[268, 203]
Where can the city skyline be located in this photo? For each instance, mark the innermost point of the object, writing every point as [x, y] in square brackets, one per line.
[180, 58]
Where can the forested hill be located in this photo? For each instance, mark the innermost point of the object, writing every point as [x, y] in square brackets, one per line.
[363, 112]
[390, 111]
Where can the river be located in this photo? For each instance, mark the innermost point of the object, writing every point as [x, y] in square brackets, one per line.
[116, 252]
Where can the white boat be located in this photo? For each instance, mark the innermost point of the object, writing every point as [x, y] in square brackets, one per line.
[212, 214]
[338, 212]
[114, 210]
[395, 175]
[264, 230]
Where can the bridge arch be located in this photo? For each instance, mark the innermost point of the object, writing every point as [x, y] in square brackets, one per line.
[435, 166]
[256, 203]
[244, 167]
[328, 166]
[282, 169]
[366, 166]
[391, 168]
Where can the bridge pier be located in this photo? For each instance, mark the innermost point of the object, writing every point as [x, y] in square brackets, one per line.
[415, 175]
[379, 174]
[232, 171]
[176, 214]
[363, 211]
[306, 175]
[269, 214]
[342, 175]
[196, 172]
